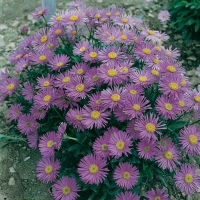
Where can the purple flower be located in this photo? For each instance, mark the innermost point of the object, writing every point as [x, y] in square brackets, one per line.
[56, 19]
[119, 143]
[126, 175]
[56, 31]
[127, 196]
[133, 89]
[163, 15]
[186, 179]
[38, 113]
[32, 140]
[22, 64]
[39, 12]
[131, 130]
[157, 194]
[45, 82]
[28, 91]
[47, 169]
[95, 101]
[76, 4]
[15, 111]
[92, 169]
[73, 17]
[79, 69]
[124, 20]
[62, 80]
[41, 57]
[66, 189]
[120, 114]
[16, 56]
[81, 47]
[165, 143]
[192, 98]
[91, 55]
[93, 77]
[24, 29]
[172, 54]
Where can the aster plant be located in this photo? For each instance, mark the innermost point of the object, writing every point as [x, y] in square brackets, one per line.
[102, 100]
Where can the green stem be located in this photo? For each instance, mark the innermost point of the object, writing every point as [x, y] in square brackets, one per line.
[45, 20]
[195, 122]
[57, 112]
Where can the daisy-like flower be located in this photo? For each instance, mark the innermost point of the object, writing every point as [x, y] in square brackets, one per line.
[127, 196]
[95, 101]
[111, 131]
[126, 175]
[41, 57]
[133, 90]
[62, 80]
[39, 12]
[186, 179]
[192, 98]
[119, 143]
[92, 169]
[111, 55]
[150, 35]
[56, 31]
[38, 113]
[16, 56]
[124, 20]
[45, 82]
[100, 146]
[81, 47]
[190, 140]
[73, 17]
[45, 98]
[15, 111]
[56, 19]
[165, 143]
[91, 54]
[58, 62]
[157, 194]
[32, 140]
[163, 15]
[75, 117]
[97, 118]
[27, 124]
[172, 54]
[146, 149]
[92, 76]
[167, 158]
[135, 105]
[79, 69]
[131, 130]
[28, 91]
[78, 88]
[47, 169]
[167, 107]
[112, 98]
[76, 4]
[120, 114]
[22, 64]
[154, 63]
[48, 144]
[66, 189]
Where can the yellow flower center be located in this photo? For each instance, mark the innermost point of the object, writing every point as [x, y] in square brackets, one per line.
[158, 48]
[66, 80]
[108, 14]
[112, 72]
[59, 18]
[156, 61]
[112, 55]
[120, 145]
[97, 16]
[82, 49]
[47, 98]
[17, 112]
[197, 99]
[104, 147]
[150, 127]
[28, 124]
[133, 92]
[98, 102]
[40, 12]
[146, 51]
[135, 38]
[143, 78]
[73, 18]
[66, 190]
[193, 139]
[124, 37]
[168, 106]
[95, 114]
[48, 169]
[173, 86]
[50, 45]
[181, 103]
[163, 143]
[168, 53]
[74, 32]
[93, 169]
[58, 31]
[93, 54]
[95, 78]
[124, 20]
[141, 28]
[79, 71]
[59, 64]
[136, 107]
[112, 38]
[183, 82]
[168, 155]
[46, 83]
[117, 14]
[79, 118]
[80, 87]
[171, 69]
[42, 58]
[44, 39]
[126, 175]
[150, 32]
[50, 143]
[11, 86]
[124, 70]
[188, 178]
[154, 72]
[115, 97]
[157, 198]
[146, 148]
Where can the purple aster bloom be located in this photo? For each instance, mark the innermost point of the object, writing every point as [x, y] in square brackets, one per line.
[76, 4]
[91, 54]
[93, 77]
[154, 63]
[165, 143]
[28, 91]
[95, 101]
[16, 56]
[58, 62]
[26, 43]
[134, 106]
[124, 20]
[112, 98]
[56, 19]
[48, 144]
[133, 89]
[92, 169]
[162, 37]
[190, 140]
[146, 149]
[126, 36]
[131, 130]
[126, 175]
[163, 15]
[119, 143]
[4, 73]
[56, 31]
[97, 118]
[79, 69]
[120, 114]
[24, 30]
[74, 117]
[192, 98]
[32, 140]
[81, 47]
[62, 80]
[59, 135]
[41, 57]
[100, 146]
[72, 17]
[52, 44]
[45, 98]
[15, 111]
[27, 124]
[45, 82]
[168, 157]
[116, 12]
[167, 107]
[66, 189]
[150, 35]
[38, 113]
[39, 12]
[47, 169]
[172, 54]
[157, 194]
[78, 88]
[22, 64]
[186, 179]
[111, 131]
[125, 70]
[127, 196]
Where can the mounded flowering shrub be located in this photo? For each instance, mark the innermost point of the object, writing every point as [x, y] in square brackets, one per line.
[102, 99]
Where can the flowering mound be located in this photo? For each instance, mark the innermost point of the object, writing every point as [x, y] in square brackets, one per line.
[102, 100]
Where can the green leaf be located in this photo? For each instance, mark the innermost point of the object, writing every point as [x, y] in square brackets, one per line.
[197, 25]
[76, 146]
[162, 178]
[91, 197]
[176, 125]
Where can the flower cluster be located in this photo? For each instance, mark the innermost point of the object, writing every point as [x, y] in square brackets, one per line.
[99, 83]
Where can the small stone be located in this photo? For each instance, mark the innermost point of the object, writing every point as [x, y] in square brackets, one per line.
[11, 181]
[15, 23]
[177, 37]
[11, 45]
[192, 58]
[27, 158]
[197, 45]
[150, 15]
[12, 170]
[3, 27]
